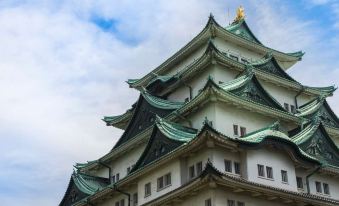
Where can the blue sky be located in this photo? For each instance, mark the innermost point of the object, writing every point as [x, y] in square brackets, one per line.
[64, 64]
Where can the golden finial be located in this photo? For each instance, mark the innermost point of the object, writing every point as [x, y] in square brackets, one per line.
[240, 14]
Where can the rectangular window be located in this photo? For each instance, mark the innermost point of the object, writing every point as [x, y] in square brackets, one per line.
[167, 179]
[191, 172]
[242, 131]
[237, 168]
[269, 172]
[135, 199]
[122, 202]
[284, 177]
[230, 203]
[261, 172]
[318, 187]
[113, 179]
[286, 106]
[117, 177]
[228, 166]
[241, 204]
[326, 189]
[147, 189]
[160, 183]
[292, 109]
[208, 202]
[199, 168]
[235, 130]
[300, 184]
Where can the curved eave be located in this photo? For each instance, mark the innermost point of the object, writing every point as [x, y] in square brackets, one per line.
[175, 131]
[211, 92]
[211, 30]
[119, 121]
[161, 103]
[329, 90]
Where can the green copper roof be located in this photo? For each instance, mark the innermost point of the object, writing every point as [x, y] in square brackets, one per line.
[324, 90]
[175, 131]
[116, 120]
[273, 132]
[132, 81]
[319, 109]
[88, 184]
[247, 86]
[241, 29]
[270, 64]
[161, 103]
[315, 141]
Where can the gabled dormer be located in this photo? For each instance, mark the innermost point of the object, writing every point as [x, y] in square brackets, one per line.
[269, 64]
[319, 108]
[241, 29]
[248, 87]
[81, 186]
[166, 137]
[143, 117]
[316, 142]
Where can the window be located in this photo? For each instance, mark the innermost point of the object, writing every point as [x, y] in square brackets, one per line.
[242, 131]
[208, 202]
[113, 179]
[286, 107]
[191, 171]
[117, 203]
[122, 202]
[292, 109]
[117, 177]
[326, 189]
[167, 179]
[284, 177]
[147, 189]
[241, 203]
[128, 169]
[160, 182]
[237, 168]
[318, 187]
[230, 203]
[199, 168]
[235, 130]
[228, 166]
[261, 172]
[135, 199]
[300, 184]
[269, 172]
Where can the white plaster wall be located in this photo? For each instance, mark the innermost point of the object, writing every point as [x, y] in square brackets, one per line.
[187, 60]
[198, 199]
[227, 115]
[285, 95]
[217, 72]
[120, 164]
[221, 197]
[227, 46]
[278, 160]
[323, 178]
[198, 116]
[171, 167]
[221, 154]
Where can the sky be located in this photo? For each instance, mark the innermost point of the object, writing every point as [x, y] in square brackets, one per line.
[64, 63]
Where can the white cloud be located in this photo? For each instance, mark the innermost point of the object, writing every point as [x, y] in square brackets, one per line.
[60, 74]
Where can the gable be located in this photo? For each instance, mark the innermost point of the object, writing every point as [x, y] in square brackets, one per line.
[253, 91]
[320, 146]
[241, 29]
[72, 195]
[158, 146]
[143, 117]
[272, 66]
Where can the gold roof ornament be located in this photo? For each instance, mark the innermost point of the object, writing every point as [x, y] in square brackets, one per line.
[240, 14]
